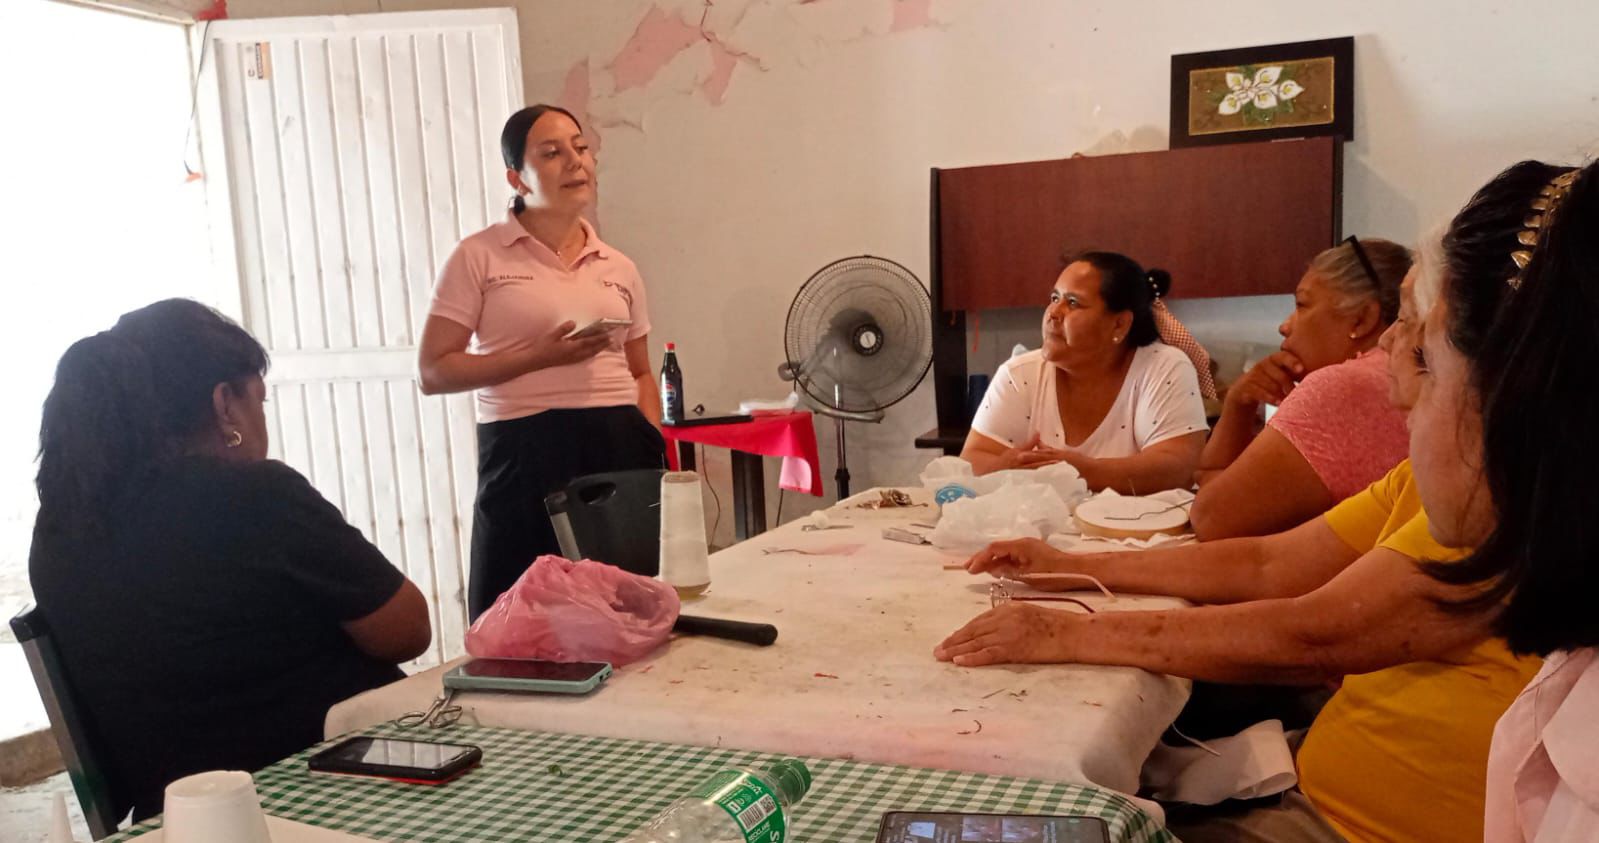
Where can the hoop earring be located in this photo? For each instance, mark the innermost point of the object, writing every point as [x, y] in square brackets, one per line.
[235, 439]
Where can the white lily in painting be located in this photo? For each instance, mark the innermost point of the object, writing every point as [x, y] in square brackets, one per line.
[1263, 91]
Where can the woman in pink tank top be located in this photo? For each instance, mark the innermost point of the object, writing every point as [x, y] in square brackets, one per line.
[1335, 431]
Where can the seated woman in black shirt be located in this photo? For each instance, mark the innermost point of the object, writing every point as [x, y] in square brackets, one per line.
[209, 605]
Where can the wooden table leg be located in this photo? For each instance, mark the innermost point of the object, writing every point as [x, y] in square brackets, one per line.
[749, 495]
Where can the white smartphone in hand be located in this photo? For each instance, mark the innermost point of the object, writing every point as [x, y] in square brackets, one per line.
[597, 327]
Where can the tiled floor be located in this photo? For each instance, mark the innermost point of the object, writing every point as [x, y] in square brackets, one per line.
[25, 811]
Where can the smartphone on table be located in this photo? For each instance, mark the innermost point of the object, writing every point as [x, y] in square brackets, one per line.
[397, 759]
[527, 676]
[954, 827]
[598, 326]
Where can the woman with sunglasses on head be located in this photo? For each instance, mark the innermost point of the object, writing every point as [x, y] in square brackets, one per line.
[553, 404]
[1502, 440]
[1334, 432]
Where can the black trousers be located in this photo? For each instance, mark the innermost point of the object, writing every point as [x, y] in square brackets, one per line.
[520, 461]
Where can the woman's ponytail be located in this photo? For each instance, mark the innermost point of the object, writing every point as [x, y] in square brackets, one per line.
[96, 430]
[1159, 282]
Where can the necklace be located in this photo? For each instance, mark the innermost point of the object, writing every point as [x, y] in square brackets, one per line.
[561, 253]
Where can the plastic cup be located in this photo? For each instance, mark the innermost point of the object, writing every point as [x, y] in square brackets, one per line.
[215, 806]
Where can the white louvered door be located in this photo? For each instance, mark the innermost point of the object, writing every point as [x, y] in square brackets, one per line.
[352, 153]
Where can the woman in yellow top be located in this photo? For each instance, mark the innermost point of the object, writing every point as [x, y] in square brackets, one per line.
[1400, 751]
[1513, 387]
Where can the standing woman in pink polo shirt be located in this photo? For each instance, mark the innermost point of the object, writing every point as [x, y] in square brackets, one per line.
[549, 408]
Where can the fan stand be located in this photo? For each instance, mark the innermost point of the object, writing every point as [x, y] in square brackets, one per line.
[840, 419]
[841, 476]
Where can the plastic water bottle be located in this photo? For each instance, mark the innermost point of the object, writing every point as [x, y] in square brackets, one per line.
[733, 806]
[671, 387]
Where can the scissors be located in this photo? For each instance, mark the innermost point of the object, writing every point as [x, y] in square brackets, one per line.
[439, 715]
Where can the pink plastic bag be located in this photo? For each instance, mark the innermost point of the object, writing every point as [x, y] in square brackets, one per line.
[567, 611]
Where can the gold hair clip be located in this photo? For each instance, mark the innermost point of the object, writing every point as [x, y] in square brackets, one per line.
[1544, 207]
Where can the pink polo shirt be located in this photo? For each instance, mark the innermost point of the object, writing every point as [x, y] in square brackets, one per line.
[1543, 769]
[511, 290]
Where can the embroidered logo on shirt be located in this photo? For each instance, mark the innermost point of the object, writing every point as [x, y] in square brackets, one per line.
[625, 293]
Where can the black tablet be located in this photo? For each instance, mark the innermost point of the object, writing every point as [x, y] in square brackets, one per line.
[951, 827]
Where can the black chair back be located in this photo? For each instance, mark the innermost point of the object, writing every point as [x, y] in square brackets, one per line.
[613, 517]
[67, 723]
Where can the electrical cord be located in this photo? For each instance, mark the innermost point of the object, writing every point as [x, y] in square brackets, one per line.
[715, 497]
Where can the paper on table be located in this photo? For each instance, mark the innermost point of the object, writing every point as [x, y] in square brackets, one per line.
[1253, 763]
[757, 405]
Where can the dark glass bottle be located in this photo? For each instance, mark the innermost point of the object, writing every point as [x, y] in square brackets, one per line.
[671, 387]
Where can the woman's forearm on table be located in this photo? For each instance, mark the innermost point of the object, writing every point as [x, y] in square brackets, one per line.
[1143, 473]
[1215, 572]
[1283, 565]
[1258, 642]
[1129, 474]
[984, 462]
[1377, 612]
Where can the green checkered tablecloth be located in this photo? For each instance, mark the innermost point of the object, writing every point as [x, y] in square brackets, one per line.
[539, 786]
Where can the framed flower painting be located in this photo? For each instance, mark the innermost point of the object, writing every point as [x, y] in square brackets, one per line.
[1263, 93]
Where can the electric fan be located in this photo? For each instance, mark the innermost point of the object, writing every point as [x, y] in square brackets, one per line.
[859, 338]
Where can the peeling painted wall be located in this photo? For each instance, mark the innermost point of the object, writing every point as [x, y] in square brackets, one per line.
[746, 143]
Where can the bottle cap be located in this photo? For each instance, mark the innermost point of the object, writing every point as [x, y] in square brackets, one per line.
[791, 777]
[671, 346]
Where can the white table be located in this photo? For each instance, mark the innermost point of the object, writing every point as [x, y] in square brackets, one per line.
[870, 619]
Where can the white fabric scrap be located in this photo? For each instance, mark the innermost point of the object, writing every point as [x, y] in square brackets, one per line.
[1253, 763]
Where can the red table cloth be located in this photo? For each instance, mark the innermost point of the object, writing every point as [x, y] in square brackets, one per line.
[790, 435]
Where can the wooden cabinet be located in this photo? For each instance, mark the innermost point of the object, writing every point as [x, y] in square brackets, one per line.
[1235, 220]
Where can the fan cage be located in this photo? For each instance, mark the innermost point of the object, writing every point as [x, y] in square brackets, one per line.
[830, 304]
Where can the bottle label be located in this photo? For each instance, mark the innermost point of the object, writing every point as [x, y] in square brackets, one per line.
[749, 802]
[669, 401]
